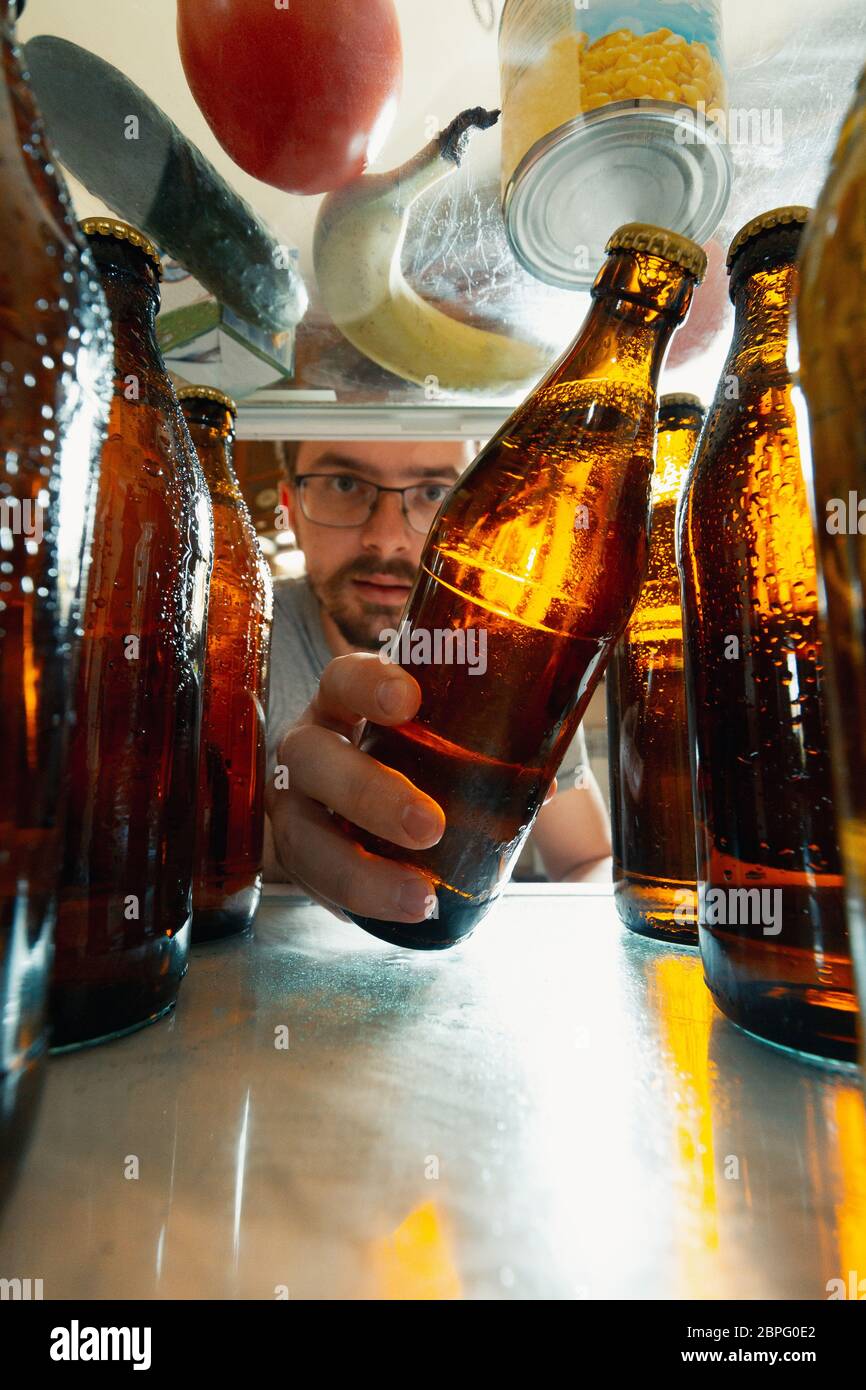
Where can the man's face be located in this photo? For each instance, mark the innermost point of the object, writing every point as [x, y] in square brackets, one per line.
[362, 573]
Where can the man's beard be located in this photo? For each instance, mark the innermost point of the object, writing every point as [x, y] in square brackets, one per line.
[358, 621]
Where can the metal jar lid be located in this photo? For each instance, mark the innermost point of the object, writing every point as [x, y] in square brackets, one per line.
[641, 160]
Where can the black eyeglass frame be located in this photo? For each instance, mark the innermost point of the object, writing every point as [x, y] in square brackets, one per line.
[348, 525]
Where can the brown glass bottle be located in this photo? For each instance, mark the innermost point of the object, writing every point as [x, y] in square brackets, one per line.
[537, 556]
[227, 883]
[123, 928]
[55, 385]
[771, 918]
[651, 811]
[831, 327]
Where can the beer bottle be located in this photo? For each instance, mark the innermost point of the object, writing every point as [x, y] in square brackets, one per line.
[831, 326]
[650, 778]
[55, 385]
[227, 883]
[771, 914]
[123, 928]
[529, 575]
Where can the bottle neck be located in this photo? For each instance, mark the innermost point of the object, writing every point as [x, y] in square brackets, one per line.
[132, 305]
[762, 316]
[675, 443]
[211, 427]
[130, 281]
[638, 303]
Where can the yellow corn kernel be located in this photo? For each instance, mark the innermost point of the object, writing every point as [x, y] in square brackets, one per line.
[616, 36]
[690, 92]
[669, 93]
[636, 85]
[609, 57]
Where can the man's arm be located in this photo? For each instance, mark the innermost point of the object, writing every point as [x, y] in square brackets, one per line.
[572, 834]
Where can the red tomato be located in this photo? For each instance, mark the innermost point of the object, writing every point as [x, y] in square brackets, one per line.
[301, 94]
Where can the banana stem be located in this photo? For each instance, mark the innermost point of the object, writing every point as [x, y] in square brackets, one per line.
[455, 137]
[441, 156]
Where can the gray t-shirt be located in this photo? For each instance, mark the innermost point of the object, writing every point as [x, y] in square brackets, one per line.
[299, 654]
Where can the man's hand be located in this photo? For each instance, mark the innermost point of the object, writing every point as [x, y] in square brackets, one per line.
[326, 771]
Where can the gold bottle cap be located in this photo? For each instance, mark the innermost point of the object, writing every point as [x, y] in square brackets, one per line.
[658, 241]
[122, 231]
[675, 398]
[794, 215]
[207, 393]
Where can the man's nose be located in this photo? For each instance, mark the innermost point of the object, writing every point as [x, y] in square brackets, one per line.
[387, 529]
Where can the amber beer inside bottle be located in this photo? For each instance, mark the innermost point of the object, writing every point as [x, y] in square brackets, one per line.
[650, 777]
[227, 885]
[771, 909]
[123, 927]
[528, 576]
[831, 327]
[55, 384]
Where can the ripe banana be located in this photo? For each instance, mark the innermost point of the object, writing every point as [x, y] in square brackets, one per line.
[359, 236]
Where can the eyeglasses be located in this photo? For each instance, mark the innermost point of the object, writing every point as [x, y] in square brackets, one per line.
[336, 499]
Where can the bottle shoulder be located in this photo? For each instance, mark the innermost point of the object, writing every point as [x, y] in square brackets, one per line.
[147, 438]
[233, 531]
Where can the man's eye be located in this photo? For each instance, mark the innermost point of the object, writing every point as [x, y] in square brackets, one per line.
[344, 486]
[434, 492]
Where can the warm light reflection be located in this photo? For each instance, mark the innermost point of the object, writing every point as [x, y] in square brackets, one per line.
[417, 1261]
[31, 654]
[850, 1122]
[684, 1009]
